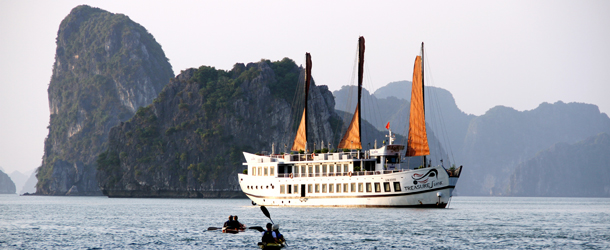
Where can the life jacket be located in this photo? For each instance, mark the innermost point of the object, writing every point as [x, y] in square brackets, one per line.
[268, 237]
[228, 223]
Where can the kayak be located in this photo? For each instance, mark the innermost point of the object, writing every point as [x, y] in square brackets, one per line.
[270, 246]
[232, 230]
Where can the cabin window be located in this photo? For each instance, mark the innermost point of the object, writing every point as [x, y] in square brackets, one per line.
[331, 188]
[260, 171]
[323, 188]
[331, 170]
[378, 159]
[324, 169]
[296, 188]
[317, 170]
[392, 159]
[289, 189]
[303, 172]
[338, 188]
[282, 189]
[310, 171]
[345, 188]
[377, 187]
[345, 168]
[309, 188]
[386, 187]
[368, 187]
[360, 187]
[252, 171]
[397, 187]
[353, 187]
[272, 170]
[266, 171]
[317, 188]
[296, 170]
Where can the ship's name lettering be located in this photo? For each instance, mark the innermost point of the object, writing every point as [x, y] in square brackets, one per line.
[393, 179]
[424, 186]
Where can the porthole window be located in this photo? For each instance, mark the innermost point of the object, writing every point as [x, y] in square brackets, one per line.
[386, 187]
[397, 187]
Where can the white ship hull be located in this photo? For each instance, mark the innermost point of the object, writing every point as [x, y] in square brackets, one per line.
[374, 190]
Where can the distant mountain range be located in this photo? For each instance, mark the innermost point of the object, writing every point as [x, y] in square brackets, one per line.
[489, 146]
[576, 170]
[7, 186]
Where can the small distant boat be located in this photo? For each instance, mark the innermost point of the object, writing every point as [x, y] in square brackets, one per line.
[371, 178]
[233, 230]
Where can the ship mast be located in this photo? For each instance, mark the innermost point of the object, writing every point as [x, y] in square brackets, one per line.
[300, 140]
[417, 141]
[423, 92]
[352, 139]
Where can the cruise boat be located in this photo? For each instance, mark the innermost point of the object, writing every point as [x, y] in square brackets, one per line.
[356, 178]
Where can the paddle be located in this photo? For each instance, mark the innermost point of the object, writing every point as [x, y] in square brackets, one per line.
[266, 212]
[214, 228]
[260, 229]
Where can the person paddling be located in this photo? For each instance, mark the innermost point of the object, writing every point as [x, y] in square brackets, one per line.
[278, 235]
[229, 223]
[269, 236]
[237, 223]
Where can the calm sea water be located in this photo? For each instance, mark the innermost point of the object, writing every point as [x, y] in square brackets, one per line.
[35, 222]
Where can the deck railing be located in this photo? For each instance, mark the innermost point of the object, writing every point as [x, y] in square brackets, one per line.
[357, 173]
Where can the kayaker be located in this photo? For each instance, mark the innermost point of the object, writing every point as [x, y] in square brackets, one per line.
[269, 236]
[237, 224]
[229, 223]
[278, 235]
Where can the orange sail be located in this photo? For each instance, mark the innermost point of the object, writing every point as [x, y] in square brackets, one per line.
[352, 139]
[417, 143]
[300, 140]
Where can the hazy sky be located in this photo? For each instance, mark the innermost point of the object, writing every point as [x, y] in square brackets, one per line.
[487, 53]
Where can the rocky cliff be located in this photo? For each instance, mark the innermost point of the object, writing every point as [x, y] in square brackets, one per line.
[189, 142]
[106, 67]
[578, 170]
[6, 184]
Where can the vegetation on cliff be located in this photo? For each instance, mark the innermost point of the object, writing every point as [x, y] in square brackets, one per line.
[189, 142]
[106, 66]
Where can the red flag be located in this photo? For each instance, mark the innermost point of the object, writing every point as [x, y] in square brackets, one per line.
[387, 126]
